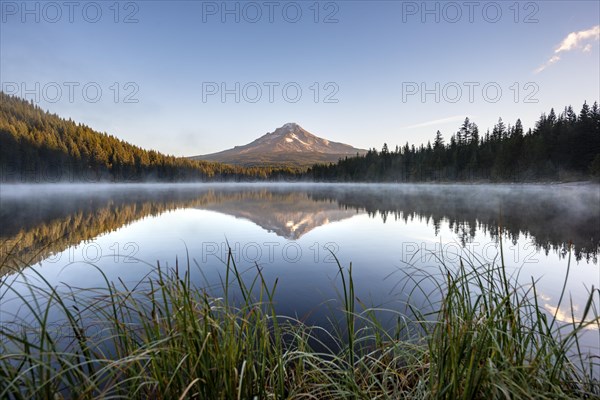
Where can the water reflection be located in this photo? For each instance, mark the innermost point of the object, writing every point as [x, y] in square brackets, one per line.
[552, 217]
[288, 214]
[42, 221]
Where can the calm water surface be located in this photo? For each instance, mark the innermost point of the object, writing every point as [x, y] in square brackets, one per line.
[292, 232]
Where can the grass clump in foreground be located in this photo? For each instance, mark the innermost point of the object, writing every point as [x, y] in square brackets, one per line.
[166, 338]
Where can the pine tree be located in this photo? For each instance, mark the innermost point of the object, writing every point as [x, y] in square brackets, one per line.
[585, 114]
[571, 116]
[474, 133]
[499, 131]
[438, 143]
[463, 134]
[518, 130]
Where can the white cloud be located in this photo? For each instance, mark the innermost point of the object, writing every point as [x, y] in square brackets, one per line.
[436, 122]
[573, 41]
[552, 60]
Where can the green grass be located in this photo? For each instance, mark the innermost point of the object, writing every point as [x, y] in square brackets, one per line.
[166, 338]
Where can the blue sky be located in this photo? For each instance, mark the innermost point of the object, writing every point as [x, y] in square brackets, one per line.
[370, 62]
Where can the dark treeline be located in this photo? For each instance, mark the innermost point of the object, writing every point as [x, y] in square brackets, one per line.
[560, 147]
[37, 146]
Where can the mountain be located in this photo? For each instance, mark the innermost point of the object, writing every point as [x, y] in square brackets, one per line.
[289, 145]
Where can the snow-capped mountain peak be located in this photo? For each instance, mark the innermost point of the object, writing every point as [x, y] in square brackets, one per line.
[288, 144]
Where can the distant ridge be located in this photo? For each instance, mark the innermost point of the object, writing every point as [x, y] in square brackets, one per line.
[287, 145]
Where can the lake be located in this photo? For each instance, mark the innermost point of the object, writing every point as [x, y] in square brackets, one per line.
[295, 232]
